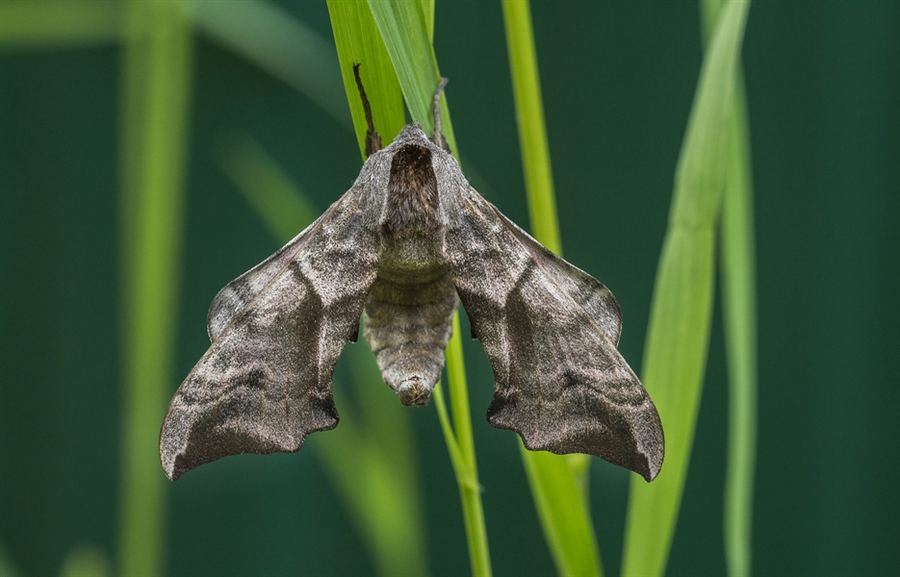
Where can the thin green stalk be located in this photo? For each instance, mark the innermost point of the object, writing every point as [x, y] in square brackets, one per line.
[681, 313]
[739, 313]
[156, 97]
[530, 118]
[404, 30]
[467, 477]
[739, 307]
[558, 484]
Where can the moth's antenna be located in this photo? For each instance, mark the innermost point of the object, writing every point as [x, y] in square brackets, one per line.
[373, 139]
[438, 137]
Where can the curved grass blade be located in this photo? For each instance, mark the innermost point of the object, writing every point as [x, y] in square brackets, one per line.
[739, 307]
[461, 446]
[358, 41]
[682, 303]
[406, 28]
[560, 493]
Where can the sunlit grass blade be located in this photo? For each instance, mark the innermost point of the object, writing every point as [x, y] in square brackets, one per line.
[678, 335]
[57, 24]
[155, 110]
[557, 483]
[358, 41]
[370, 456]
[559, 497]
[278, 43]
[530, 117]
[405, 28]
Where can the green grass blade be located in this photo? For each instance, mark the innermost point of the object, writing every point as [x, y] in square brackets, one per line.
[370, 457]
[739, 312]
[557, 483]
[59, 24]
[156, 101]
[560, 501]
[467, 479]
[358, 41]
[405, 27]
[682, 304]
[530, 117]
[83, 561]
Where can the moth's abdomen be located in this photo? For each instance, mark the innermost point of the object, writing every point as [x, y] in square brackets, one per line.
[408, 320]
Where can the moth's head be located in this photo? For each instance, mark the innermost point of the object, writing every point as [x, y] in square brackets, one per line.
[415, 134]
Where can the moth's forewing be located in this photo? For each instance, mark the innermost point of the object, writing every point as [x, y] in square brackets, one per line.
[550, 331]
[265, 383]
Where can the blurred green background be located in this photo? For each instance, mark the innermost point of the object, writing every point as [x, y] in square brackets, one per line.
[823, 91]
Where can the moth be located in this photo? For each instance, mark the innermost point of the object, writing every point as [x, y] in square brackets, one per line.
[402, 248]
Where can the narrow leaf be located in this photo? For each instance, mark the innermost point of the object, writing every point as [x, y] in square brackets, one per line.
[556, 487]
[405, 29]
[358, 41]
[739, 313]
[739, 307]
[678, 336]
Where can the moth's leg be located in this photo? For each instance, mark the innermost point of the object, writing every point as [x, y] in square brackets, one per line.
[373, 139]
[438, 137]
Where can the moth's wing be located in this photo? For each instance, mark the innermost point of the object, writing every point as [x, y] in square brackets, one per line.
[236, 295]
[550, 332]
[265, 383]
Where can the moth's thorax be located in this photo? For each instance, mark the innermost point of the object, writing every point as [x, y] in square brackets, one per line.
[412, 236]
[412, 191]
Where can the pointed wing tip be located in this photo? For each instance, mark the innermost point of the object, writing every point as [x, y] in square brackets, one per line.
[650, 470]
[173, 465]
[172, 473]
[645, 460]
[178, 455]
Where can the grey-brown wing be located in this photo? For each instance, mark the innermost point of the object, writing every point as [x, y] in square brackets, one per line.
[236, 295]
[550, 332]
[265, 383]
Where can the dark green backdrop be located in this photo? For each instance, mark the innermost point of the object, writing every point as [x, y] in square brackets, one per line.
[823, 88]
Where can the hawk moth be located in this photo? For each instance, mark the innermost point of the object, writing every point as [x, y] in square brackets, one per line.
[401, 248]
